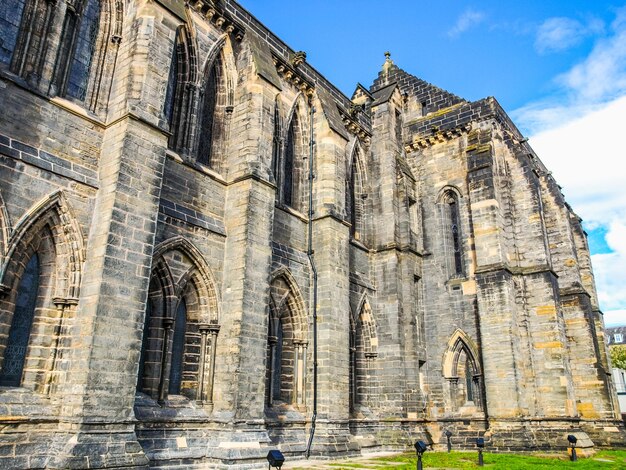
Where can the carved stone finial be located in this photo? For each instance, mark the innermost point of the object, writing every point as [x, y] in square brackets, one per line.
[388, 62]
[298, 58]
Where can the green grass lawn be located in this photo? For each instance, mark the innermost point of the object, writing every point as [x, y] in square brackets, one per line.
[607, 459]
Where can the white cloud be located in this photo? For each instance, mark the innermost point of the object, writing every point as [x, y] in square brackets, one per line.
[603, 73]
[468, 19]
[586, 157]
[558, 34]
[587, 86]
[615, 318]
[578, 132]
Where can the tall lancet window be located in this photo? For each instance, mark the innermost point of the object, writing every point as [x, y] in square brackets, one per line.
[85, 44]
[356, 197]
[10, 19]
[456, 236]
[453, 227]
[178, 348]
[208, 122]
[21, 325]
[276, 144]
[289, 167]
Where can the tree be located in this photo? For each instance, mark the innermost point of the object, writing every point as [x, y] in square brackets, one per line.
[618, 356]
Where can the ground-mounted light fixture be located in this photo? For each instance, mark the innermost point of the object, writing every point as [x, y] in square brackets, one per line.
[448, 434]
[572, 440]
[275, 458]
[480, 443]
[420, 448]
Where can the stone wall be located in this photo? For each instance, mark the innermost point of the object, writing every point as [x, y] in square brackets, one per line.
[463, 298]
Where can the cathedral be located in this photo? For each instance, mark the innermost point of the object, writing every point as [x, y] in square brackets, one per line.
[207, 251]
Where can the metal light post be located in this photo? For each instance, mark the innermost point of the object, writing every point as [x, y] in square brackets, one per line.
[480, 443]
[572, 440]
[275, 459]
[448, 434]
[420, 448]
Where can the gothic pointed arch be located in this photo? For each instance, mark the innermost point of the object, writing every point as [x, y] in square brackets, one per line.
[181, 325]
[277, 141]
[180, 96]
[217, 92]
[448, 201]
[79, 64]
[462, 369]
[288, 299]
[459, 341]
[199, 272]
[356, 192]
[41, 274]
[54, 212]
[287, 342]
[363, 350]
[292, 170]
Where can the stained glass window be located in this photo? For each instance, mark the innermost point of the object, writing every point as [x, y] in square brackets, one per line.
[208, 116]
[289, 164]
[83, 52]
[19, 334]
[10, 18]
[178, 349]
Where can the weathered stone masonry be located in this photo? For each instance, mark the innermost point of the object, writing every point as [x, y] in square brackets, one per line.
[155, 285]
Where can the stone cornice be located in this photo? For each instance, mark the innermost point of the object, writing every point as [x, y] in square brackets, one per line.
[353, 126]
[214, 14]
[437, 137]
[289, 72]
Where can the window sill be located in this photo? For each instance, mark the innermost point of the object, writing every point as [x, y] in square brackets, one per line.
[359, 244]
[199, 167]
[281, 412]
[290, 210]
[174, 408]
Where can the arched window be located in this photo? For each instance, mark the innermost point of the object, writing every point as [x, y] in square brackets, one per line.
[363, 350]
[21, 324]
[276, 144]
[277, 362]
[180, 95]
[356, 196]
[84, 48]
[42, 271]
[180, 332]
[10, 19]
[452, 224]
[288, 166]
[178, 348]
[63, 48]
[462, 370]
[209, 123]
[286, 354]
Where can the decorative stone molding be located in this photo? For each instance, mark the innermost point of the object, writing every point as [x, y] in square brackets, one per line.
[211, 11]
[350, 120]
[298, 58]
[288, 72]
[437, 137]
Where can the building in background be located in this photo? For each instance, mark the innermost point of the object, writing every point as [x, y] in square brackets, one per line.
[181, 192]
[616, 336]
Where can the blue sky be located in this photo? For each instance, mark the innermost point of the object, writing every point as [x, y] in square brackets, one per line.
[558, 67]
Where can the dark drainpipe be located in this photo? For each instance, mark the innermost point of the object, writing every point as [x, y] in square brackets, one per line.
[314, 271]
